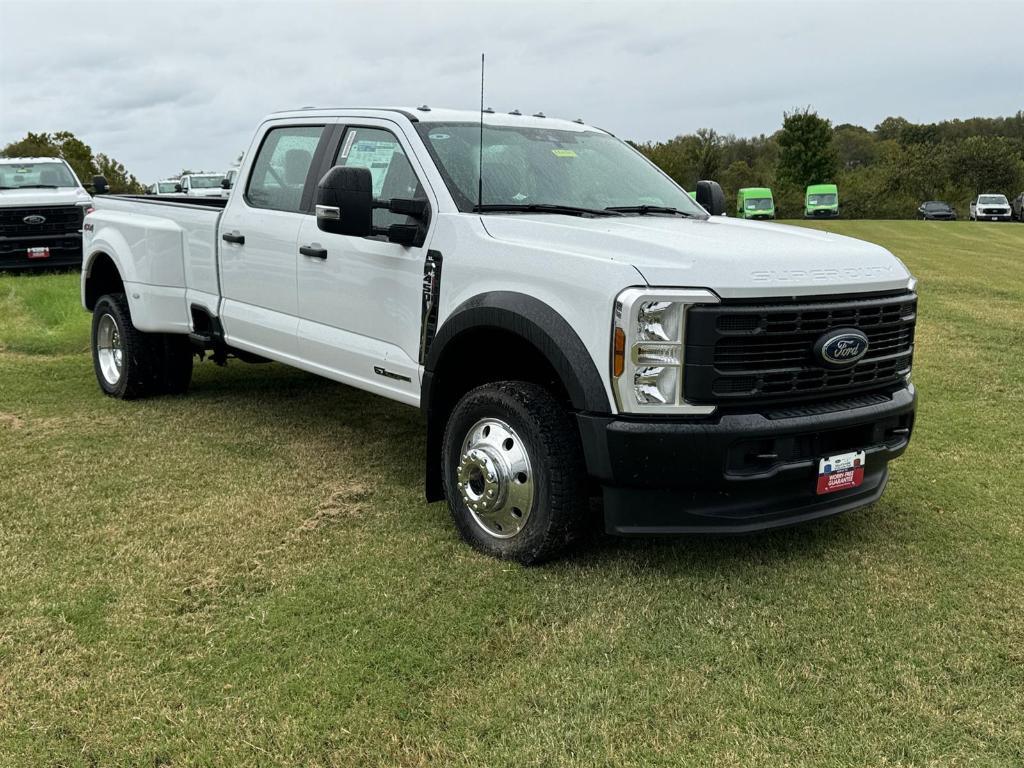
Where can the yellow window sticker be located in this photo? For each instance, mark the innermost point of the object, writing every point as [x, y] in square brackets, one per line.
[563, 153]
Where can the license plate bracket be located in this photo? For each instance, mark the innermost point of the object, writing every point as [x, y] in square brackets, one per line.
[840, 472]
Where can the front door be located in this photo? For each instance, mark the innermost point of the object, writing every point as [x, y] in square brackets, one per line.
[259, 243]
[360, 299]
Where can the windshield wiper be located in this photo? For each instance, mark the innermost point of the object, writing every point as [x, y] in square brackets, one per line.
[646, 210]
[569, 210]
[33, 186]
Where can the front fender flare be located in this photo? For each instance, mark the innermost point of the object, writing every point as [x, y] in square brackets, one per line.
[535, 322]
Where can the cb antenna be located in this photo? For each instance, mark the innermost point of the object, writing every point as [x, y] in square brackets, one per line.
[480, 167]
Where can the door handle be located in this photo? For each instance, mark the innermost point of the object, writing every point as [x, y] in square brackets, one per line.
[314, 251]
[233, 237]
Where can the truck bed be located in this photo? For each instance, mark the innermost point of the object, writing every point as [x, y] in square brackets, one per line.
[166, 252]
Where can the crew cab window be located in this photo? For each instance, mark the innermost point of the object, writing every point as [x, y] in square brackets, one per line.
[393, 176]
[279, 172]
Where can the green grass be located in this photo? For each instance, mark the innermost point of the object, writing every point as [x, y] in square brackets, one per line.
[248, 576]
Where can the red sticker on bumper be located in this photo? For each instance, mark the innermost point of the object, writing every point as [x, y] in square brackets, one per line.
[840, 473]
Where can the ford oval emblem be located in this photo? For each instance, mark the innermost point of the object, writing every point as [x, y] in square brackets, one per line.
[841, 347]
[35, 218]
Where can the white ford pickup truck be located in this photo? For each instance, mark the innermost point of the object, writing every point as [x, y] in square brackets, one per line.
[572, 323]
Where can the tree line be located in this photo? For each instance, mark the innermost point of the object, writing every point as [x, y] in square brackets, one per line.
[79, 156]
[883, 173]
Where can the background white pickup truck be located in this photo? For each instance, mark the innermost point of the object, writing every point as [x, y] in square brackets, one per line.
[42, 205]
[201, 184]
[571, 323]
[991, 207]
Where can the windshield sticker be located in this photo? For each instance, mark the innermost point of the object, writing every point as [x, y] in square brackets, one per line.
[349, 139]
[563, 153]
[439, 136]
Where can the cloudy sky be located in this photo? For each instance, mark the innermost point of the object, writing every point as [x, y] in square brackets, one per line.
[163, 85]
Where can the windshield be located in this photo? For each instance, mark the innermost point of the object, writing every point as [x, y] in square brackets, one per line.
[16, 175]
[759, 204]
[166, 187]
[828, 199]
[206, 182]
[992, 199]
[936, 206]
[540, 166]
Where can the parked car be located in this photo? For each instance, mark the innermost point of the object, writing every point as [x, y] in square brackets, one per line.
[821, 201]
[165, 187]
[42, 204]
[1018, 207]
[201, 184]
[936, 210]
[755, 203]
[567, 318]
[991, 207]
[228, 182]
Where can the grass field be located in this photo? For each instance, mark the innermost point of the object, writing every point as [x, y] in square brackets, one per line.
[248, 575]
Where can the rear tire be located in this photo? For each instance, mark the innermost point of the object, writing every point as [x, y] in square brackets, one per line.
[512, 453]
[130, 364]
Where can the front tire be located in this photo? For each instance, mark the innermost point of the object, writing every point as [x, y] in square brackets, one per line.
[514, 473]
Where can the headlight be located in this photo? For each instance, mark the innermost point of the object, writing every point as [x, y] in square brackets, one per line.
[648, 337]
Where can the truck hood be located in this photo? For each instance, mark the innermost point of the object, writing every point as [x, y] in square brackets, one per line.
[15, 198]
[734, 258]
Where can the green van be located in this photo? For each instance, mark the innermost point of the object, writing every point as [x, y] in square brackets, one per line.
[755, 203]
[822, 201]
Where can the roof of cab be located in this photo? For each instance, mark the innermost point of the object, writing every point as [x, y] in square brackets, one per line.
[430, 115]
[751, 191]
[30, 160]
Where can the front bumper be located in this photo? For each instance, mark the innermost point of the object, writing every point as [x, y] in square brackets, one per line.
[739, 472]
[65, 251]
[822, 213]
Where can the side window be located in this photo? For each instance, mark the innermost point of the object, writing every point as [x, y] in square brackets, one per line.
[393, 176]
[282, 163]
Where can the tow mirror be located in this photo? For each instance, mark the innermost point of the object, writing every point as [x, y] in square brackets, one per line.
[711, 197]
[225, 183]
[344, 201]
[345, 205]
[177, 188]
[99, 185]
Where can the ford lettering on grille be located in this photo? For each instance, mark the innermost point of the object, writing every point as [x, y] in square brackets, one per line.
[842, 347]
[34, 219]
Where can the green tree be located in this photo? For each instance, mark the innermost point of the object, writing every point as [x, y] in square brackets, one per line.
[806, 154]
[855, 146]
[117, 176]
[78, 155]
[989, 164]
[707, 153]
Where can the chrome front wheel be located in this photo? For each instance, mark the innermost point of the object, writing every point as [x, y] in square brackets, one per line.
[495, 478]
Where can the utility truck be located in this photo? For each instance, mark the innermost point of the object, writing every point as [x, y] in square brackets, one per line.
[200, 185]
[571, 323]
[42, 205]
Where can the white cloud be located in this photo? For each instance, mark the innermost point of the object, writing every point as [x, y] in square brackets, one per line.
[162, 85]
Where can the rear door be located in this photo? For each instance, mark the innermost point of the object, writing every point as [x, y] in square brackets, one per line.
[259, 233]
[360, 298]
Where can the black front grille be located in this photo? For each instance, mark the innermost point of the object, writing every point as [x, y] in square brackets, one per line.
[747, 354]
[58, 220]
[996, 211]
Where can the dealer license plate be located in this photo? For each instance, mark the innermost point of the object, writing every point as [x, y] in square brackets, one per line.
[840, 473]
[39, 253]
